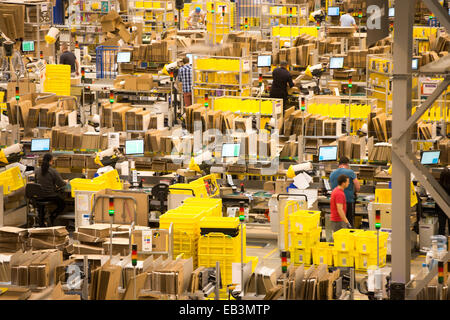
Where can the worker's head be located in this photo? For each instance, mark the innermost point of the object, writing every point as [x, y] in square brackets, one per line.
[350, 10]
[64, 47]
[185, 60]
[343, 181]
[283, 64]
[197, 9]
[343, 162]
[47, 161]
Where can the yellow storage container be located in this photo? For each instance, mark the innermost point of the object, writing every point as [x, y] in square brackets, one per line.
[366, 242]
[305, 239]
[301, 256]
[87, 185]
[112, 179]
[344, 239]
[304, 220]
[363, 261]
[225, 263]
[323, 253]
[343, 258]
[11, 180]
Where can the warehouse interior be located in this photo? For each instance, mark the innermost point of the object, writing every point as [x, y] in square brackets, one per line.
[224, 150]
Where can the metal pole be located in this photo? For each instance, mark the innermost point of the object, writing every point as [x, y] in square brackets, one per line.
[242, 258]
[352, 282]
[218, 280]
[134, 280]
[110, 237]
[401, 253]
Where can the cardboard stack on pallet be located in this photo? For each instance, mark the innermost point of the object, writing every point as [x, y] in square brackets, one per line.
[48, 238]
[12, 239]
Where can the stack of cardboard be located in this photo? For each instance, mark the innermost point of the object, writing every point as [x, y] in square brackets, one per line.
[90, 239]
[381, 152]
[143, 82]
[383, 127]
[12, 18]
[356, 59]
[444, 147]
[115, 29]
[172, 278]
[12, 239]
[48, 238]
[105, 282]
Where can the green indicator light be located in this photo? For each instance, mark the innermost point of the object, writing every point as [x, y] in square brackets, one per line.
[111, 212]
[241, 218]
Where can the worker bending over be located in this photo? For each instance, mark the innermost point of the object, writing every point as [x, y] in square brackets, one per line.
[196, 19]
[351, 189]
[347, 20]
[280, 80]
[51, 182]
[338, 204]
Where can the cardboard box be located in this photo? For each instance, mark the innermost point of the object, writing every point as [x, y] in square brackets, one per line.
[153, 240]
[281, 185]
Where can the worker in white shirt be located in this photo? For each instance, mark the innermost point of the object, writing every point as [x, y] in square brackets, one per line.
[196, 19]
[347, 20]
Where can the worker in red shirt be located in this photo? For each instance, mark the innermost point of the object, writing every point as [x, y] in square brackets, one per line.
[338, 205]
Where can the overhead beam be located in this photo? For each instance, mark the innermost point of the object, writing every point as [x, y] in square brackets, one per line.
[428, 181]
[425, 105]
[439, 11]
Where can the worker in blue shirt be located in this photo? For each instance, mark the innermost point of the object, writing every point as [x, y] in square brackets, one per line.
[352, 188]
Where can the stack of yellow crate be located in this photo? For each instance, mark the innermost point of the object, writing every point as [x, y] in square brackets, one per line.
[366, 249]
[186, 226]
[323, 253]
[304, 232]
[220, 241]
[344, 247]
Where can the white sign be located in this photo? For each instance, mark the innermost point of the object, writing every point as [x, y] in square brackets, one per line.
[147, 239]
[428, 88]
[113, 140]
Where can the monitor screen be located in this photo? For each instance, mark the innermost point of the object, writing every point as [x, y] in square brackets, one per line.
[230, 150]
[333, 11]
[134, 147]
[448, 10]
[264, 61]
[40, 145]
[336, 62]
[430, 157]
[415, 63]
[189, 55]
[391, 12]
[124, 56]
[27, 46]
[328, 153]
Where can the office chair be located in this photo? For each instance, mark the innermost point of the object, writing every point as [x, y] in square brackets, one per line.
[35, 202]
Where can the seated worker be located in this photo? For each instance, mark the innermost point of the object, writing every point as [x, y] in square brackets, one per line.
[51, 182]
[196, 19]
[280, 79]
[338, 205]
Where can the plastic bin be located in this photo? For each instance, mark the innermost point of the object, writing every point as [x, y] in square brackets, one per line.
[305, 240]
[11, 180]
[79, 184]
[323, 253]
[343, 258]
[344, 239]
[363, 261]
[304, 220]
[366, 242]
[214, 204]
[301, 256]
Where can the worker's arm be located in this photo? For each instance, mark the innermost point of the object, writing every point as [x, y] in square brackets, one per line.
[59, 182]
[341, 212]
[355, 182]
[188, 21]
[291, 84]
[77, 67]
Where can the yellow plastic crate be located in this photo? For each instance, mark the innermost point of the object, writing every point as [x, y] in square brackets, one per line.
[225, 263]
[112, 179]
[87, 185]
[343, 258]
[344, 239]
[304, 220]
[305, 240]
[188, 222]
[301, 256]
[366, 242]
[219, 222]
[363, 261]
[11, 180]
[323, 253]
[215, 205]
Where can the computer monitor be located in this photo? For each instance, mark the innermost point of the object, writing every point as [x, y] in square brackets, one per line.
[40, 145]
[430, 157]
[333, 11]
[415, 63]
[189, 55]
[264, 61]
[448, 10]
[124, 56]
[134, 147]
[230, 150]
[391, 12]
[27, 46]
[336, 62]
[328, 153]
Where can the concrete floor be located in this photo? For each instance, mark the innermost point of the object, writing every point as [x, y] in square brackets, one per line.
[268, 253]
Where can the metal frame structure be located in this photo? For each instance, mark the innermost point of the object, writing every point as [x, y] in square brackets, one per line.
[403, 161]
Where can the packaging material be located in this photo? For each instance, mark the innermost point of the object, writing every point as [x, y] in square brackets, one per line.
[12, 239]
[48, 238]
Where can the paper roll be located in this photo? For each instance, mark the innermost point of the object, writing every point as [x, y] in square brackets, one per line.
[307, 166]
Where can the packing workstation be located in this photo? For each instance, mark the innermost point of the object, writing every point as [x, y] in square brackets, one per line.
[162, 163]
